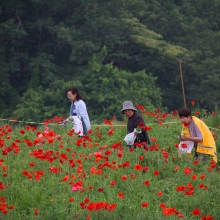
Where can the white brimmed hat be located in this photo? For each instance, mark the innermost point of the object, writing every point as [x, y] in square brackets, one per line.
[127, 105]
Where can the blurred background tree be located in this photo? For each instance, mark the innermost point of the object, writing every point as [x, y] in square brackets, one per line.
[126, 48]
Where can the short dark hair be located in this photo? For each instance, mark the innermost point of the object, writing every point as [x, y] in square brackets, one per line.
[74, 90]
[184, 112]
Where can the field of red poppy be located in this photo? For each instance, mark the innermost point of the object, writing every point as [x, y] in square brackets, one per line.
[49, 173]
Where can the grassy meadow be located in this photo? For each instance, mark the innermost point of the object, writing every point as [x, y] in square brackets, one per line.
[48, 173]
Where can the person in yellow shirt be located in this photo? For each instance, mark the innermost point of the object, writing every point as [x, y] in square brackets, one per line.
[195, 130]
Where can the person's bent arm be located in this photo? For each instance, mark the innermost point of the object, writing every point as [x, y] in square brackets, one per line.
[194, 139]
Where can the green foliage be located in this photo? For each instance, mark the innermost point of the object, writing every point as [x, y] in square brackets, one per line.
[151, 40]
[214, 119]
[108, 87]
[43, 42]
[38, 104]
[63, 160]
[42, 71]
[114, 87]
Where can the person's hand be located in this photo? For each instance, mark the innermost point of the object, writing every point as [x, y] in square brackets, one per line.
[71, 118]
[183, 138]
[135, 133]
[62, 123]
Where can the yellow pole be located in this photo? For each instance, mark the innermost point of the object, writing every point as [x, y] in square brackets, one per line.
[181, 77]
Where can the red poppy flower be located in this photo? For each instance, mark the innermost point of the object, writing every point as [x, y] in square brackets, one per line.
[36, 211]
[33, 128]
[90, 131]
[31, 164]
[189, 192]
[147, 128]
[110, 132]
[11, 207]
[141, 158]
[169, 211]
[4, 211]
[202, 177]
[196, 212]
[124, 177]
[165, 154]
[186, 124]
[119, 154]
[100, 189]
[156, 173]
[132, 176]
[184, 145]
[90, 187]
[146, 183]
[14, 119]
[22, 132]
[153, 139]
[141, 107]
[201, 185]
[65, 178]
[160, 193]
[107, 122]
[138, 167]
[176, 168]
[28, 127]
[174, 112]
[205, 187]
[121, 195]
[112, 207]
[86, 200]
[209, 217]
[108, 152]
[71, 199]
[141, 125]
[162, 205]
[113, 183]
[195, 162]
[145, 168]
[144, 204]
[68, 149]
[193, 102]
[180, 188]
[99, 135]
[194, 177]
[2, 197]
[187, 170]
[180, 215]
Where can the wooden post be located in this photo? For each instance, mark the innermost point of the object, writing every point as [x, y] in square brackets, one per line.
[181, 77]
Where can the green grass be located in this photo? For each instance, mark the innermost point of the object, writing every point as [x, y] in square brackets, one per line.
[50, 195]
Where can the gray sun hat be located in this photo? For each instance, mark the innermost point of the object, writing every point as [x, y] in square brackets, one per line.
[128, 105]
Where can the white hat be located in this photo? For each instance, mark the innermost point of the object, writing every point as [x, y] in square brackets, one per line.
[128, 105]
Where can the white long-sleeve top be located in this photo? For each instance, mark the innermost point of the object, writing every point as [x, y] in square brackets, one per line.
[81, 111]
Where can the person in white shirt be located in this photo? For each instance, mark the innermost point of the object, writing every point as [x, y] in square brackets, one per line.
[78, 107]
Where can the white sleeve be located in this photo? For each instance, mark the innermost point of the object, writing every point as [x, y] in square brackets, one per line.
[81, 111]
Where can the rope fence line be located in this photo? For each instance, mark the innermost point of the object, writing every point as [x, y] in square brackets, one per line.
[92, 125]
[32, 122]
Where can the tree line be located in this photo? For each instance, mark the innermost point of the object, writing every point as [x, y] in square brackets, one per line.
[111, 50]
